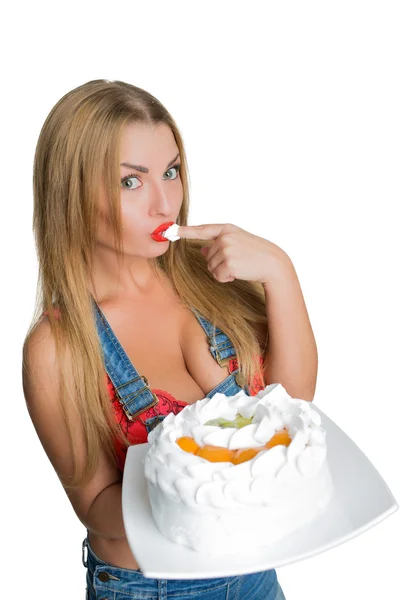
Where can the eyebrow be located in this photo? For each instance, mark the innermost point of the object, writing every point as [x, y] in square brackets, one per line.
[145, 169]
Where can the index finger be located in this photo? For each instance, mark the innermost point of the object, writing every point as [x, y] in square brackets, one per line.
[200, 232]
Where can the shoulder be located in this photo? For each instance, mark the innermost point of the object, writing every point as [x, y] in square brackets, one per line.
[40, 380]
[40, 363]
[40, 343]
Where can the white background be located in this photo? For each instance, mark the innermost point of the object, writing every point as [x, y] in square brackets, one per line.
[290, 116]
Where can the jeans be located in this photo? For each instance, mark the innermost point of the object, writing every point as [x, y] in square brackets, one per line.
[107, 582]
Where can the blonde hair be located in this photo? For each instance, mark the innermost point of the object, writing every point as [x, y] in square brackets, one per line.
[79, 145]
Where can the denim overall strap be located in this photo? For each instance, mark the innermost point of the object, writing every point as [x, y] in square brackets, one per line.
[221, 346]
[132, 390]
[222, 350]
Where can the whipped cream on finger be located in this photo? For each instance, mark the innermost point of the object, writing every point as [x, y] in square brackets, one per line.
[171, 233]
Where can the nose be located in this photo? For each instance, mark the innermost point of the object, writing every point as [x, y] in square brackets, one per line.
[161, 201]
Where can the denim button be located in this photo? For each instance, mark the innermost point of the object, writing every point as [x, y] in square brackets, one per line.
[103, 576]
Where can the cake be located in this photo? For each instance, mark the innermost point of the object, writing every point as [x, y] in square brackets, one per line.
[230, 473]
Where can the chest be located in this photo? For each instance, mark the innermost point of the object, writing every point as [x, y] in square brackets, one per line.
[166, 343]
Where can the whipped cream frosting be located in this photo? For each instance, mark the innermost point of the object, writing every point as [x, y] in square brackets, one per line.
[198, 503]
[171, 233]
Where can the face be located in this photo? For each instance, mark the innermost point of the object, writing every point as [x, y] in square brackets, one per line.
[149, 198]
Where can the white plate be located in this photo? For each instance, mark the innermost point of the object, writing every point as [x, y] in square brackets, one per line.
[361, 500]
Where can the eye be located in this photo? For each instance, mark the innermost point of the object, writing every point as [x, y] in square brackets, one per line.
[177, 168]
[128, 178]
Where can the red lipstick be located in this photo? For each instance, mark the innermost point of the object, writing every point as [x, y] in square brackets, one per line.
[156, 235]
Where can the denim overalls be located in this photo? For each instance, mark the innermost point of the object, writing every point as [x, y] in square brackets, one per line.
[107, 582]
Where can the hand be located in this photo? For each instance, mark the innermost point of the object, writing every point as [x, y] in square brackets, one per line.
[235, 253]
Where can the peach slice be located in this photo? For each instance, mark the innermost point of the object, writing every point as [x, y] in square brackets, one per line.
[281, 437]
[215, 453]
[244, 454]
[221, 454]
[188, 444]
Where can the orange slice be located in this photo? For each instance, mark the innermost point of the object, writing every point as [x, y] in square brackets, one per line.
[221, 454]
[188, 444]
[282, 437]
[215, 453]
[244, 454]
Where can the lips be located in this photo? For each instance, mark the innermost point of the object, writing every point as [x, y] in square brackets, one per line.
[156, 235]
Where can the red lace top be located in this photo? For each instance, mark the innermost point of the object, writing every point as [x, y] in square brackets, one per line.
[135, 430]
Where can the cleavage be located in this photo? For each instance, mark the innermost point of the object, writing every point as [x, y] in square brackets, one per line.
[172, 353]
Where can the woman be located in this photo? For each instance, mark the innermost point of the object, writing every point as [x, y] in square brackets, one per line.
[131, 326]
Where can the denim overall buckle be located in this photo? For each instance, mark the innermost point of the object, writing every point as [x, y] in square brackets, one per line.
[139, 412]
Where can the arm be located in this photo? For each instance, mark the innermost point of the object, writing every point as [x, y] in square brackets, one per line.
[292, 358]
[97, 504]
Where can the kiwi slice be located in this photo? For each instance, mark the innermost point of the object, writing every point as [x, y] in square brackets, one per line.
[238, 422]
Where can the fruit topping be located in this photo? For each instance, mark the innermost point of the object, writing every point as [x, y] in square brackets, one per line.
[222, 454]
[237, 422]
[215, 453]
[281, 437]
[244, 454]
[188, 444]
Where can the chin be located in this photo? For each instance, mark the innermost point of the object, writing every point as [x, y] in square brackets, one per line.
[160, 248]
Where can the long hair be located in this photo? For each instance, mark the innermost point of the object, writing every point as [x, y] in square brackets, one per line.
[78, 146]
